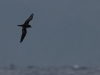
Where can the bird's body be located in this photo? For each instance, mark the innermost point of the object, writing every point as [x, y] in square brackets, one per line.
[25, 26]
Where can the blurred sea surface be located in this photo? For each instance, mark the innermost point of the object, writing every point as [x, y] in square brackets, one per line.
[64, 70]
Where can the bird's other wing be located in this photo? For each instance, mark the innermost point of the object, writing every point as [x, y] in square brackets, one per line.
[29, 19]
[23, 34]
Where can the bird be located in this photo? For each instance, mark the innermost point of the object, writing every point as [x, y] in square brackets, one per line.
[25, 26]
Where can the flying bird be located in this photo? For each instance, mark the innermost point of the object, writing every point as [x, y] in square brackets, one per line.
[25, 26]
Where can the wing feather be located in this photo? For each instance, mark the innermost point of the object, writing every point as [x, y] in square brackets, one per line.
[29, 19]
[23, 34]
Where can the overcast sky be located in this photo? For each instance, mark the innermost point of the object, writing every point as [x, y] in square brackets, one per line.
[64, 32]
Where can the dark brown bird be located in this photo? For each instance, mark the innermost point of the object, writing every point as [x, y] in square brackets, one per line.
[25, 26]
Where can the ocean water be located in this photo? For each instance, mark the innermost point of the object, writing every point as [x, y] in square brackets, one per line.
[64, 70]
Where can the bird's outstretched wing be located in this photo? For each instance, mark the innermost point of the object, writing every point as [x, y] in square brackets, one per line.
[29, 19]
[23, 34]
